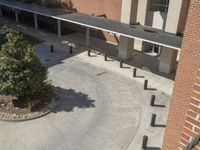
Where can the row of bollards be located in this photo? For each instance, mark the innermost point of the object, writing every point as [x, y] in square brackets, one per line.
[153, 118]
[152, 102]
[70, 49]
[106, 58]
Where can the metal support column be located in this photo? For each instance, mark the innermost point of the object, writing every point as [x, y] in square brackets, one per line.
[87, 37]
[16, 16]
[59, 28]
[36, 21]
[1, 14]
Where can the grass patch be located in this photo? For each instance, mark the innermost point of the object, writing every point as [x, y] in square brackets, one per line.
[31, 39]
[28, 38]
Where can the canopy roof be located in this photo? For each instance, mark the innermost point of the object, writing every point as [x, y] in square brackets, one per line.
[134, 31]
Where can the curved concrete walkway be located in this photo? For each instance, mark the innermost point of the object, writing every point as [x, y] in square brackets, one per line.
[101, 110]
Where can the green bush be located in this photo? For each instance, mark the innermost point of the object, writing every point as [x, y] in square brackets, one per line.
[21, 73]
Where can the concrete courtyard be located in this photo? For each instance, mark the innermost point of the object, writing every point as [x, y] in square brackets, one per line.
[104, 108]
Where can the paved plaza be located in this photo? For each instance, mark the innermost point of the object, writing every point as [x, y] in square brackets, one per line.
[104, 107]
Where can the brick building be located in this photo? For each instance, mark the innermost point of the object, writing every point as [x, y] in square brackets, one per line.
[184, 115]
[167, 16]
[170, 16]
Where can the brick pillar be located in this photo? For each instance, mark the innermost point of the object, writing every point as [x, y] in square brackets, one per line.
[183, 120]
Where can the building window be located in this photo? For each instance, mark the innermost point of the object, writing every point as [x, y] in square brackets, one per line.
[159, 5]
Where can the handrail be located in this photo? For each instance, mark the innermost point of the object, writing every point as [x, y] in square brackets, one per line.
[193, 143]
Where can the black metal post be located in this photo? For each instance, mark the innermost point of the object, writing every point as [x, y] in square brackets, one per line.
[70, 49]
[153, 120]
[51, 48]
[153, 97]
[106, 57]
[89, 51]
[134, 72]
[144, 142]
[121, 63]
[145, 84]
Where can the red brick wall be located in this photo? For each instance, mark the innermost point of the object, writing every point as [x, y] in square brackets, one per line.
[183, 121]
[192, 122]
[111, 8]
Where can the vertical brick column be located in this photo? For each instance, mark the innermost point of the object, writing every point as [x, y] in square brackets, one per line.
[191, 126]
[183, 120]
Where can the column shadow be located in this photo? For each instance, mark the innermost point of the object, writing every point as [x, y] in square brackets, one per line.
[151, 89]
[160, 125]
[156, 105]
[152, 148]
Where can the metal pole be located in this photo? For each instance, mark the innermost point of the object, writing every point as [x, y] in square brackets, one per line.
[121, 63]
[144, 142]
[153, 120]
[153, 97]
[89, 51]
[1, 14]
[51, 48]
[16, 16]
[145, 84]
[36, 21]
[106, 57]
[70, 49]
[59, 28]
[87, 36]
[134, 72]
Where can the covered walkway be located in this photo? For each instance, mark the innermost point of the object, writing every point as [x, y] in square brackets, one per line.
[120, 29]
[171, 43]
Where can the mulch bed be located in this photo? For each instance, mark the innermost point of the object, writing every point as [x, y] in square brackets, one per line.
[12, 108]
[11, 105]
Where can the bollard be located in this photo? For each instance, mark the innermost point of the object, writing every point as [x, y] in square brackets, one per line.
[145, 84]
[144, 142]
[70, 49]
[153, 97]
[89, 51]
[51, 48]
[153, 120]
[134, 72]
[106, 57]
[121, 63]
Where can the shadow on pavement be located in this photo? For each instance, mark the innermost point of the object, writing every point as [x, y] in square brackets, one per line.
[71, 99]
[152, 148]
